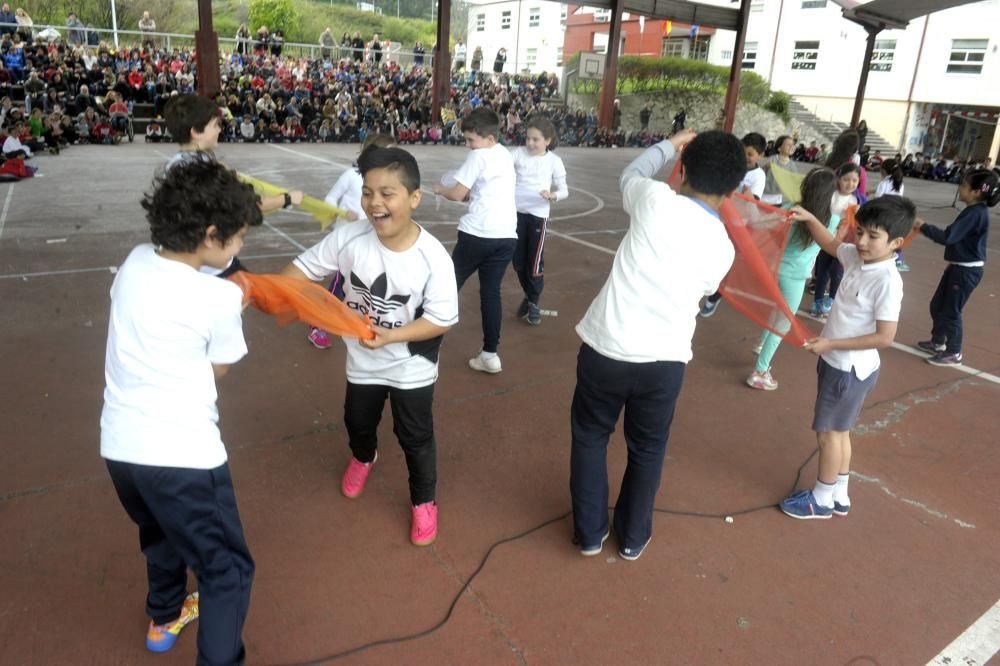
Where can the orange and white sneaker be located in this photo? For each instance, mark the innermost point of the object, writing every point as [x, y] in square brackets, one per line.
[161, 637]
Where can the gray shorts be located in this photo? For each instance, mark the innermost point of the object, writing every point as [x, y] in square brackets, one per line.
[839, 397]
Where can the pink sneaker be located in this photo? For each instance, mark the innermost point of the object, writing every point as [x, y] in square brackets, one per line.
[762, 381]
[425, 524]
[355, 476]
[320, 339]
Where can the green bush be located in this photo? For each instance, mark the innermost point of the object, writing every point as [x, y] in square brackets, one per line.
[779, 103]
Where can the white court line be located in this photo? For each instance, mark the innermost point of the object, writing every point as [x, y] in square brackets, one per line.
[976, 645]
[285, 236]
[68, 271]
[6, 207]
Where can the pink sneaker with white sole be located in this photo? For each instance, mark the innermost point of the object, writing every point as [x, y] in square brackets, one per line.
[424, 528]
[355, 477]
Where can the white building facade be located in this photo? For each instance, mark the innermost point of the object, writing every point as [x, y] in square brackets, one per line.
[530, 30]
[933, 87]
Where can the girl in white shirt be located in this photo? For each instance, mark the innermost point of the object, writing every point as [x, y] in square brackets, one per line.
[892, 183]
[541, 179]
[346, 194]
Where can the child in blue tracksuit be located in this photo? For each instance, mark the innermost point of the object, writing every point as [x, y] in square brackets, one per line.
[965, 252]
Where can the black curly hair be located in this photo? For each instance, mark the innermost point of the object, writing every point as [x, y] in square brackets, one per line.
[196, 195]
[714, 163]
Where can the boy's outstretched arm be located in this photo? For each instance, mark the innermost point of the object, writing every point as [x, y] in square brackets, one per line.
[820, 234]
[416, 331]
[649, 163]
[456, 192]
[885, 333]
[294, 272]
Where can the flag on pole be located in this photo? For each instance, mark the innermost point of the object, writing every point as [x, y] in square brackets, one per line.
[667, 27]
[694, 31]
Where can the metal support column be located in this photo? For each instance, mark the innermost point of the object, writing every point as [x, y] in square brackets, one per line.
[859, 100]
[442, 61]
[207, 47]
[606, 114]
[733, 89]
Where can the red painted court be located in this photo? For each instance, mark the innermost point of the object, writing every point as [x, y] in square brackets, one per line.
[915, 565]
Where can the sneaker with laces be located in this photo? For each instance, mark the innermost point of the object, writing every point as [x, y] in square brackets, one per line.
[319, 338]
[757, 348]
[902, 267]
[591, 549]
[522, 309]
[161, 637]
[762, 381]
[944, 358]
[355, 477]
[826, 305]
[930, 346]
[816, 309]
[709, 308]
[802, 505]
[488, 365]
[424, 526]
[841, 509]
[632, 554]
[534, 316]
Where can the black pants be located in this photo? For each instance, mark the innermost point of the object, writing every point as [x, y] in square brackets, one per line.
[488, 256]
[828, 271]
[648, 392]
[528, 255]
[949, 298]
[188, 518]
[412, 423]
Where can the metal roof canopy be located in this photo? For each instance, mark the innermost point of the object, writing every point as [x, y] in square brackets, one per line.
[879, 15]
[680, 11]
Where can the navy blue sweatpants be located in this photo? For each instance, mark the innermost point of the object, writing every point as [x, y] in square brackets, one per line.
[489, 257]
[187, 518]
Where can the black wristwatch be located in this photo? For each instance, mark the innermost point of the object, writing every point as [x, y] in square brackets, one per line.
[288, 200]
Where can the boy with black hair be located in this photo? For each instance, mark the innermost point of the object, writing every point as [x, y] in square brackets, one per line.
[402, 277]
[863, 320]
[637, 332]
[173, 332]
[753, 183]
[194, 122]
[487, 234]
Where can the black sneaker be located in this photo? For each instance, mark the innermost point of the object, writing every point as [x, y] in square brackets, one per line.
[534, 315]
[632, 554]
[589, 550]
[943, 358]
[522, 309]
[709, 308]
[930, 346]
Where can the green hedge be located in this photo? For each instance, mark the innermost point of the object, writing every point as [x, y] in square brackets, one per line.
[637, 74]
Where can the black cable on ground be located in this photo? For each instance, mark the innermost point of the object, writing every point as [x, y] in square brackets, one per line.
[482, 563]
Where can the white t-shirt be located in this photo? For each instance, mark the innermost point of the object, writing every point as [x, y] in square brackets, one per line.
[489, 175]
[755, 179]
[675, 252]
[868, 293]
[169, 323]
[394, 289]
[535, 173]
[839, 203]
[885, 187]
[346, 192]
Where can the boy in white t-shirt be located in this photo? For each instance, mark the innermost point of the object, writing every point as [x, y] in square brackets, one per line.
[402, 277]
[637, 332]
[173, 332]
[487, 234]
[863, 320]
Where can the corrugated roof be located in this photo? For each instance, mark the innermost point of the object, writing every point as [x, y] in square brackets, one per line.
[885, 14]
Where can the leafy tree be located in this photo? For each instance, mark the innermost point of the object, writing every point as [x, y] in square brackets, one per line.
[275, 14]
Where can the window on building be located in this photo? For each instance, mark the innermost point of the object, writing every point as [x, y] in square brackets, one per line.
[813, 4]
[599, 42]
[673, 47]
[967, 56]
[534, 17]
[480, 22]
[559, 55]
[699, 48]
[602, 15]
[749, 55]
[531, 59]
[562, 14]
[882, 55]
[756, 6]
[505, 20]
[727, 55]
[805, 55]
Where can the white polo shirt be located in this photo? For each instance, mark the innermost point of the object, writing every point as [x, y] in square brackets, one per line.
[868, 293]
[675, 252]
[489, 175]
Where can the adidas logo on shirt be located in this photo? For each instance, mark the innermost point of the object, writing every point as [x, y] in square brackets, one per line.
[375, 303]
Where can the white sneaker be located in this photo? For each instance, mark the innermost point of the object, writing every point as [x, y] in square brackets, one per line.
[488, 365]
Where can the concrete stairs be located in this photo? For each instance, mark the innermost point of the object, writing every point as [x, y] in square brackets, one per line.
[830, 130]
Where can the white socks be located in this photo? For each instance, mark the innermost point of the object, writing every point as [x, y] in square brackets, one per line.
[823, 492]
[487, 355]
[840, 490]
